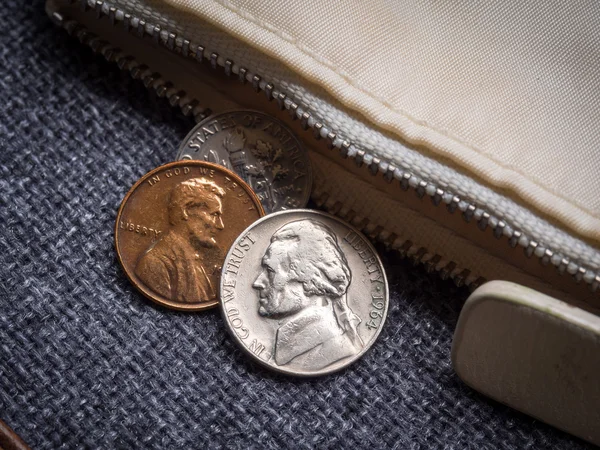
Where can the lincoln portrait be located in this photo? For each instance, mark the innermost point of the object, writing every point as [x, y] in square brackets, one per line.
[183, 265]
[303, 284]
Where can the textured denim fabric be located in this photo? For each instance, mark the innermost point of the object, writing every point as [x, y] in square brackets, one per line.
[87, 362]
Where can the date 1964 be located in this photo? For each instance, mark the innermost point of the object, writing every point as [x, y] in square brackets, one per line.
[377, 312]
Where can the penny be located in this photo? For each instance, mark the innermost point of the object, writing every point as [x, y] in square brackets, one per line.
[260, 149]
[303, 292]
[175, 226]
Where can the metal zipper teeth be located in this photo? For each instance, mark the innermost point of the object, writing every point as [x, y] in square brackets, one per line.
[165, 89]
[407, 180]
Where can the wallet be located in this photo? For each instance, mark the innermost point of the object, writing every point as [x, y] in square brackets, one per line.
[463, 136]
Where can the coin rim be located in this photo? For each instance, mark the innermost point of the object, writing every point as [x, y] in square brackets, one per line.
[288, 371]
[138, 285]
[307, 193]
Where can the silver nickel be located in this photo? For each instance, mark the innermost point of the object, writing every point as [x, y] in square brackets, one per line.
[261, 150]
[303, 292]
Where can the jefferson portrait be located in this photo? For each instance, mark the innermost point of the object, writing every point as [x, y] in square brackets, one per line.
[303, 284]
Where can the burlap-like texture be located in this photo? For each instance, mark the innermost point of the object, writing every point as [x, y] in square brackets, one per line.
[87, 362]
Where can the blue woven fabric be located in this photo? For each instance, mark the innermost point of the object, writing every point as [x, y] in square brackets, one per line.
[86, 361]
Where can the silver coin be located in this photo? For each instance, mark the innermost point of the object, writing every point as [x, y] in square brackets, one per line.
[261, 150]
[303, 292]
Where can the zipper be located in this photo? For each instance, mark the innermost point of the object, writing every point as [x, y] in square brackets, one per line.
[407, 180]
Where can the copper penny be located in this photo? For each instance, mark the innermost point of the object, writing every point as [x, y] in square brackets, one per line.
[175, 226]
